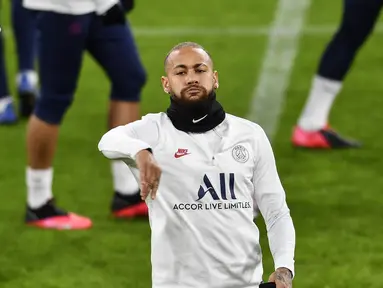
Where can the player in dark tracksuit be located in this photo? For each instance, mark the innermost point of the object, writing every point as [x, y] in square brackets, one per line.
[358, 20]
[63, 40]
[25, 34]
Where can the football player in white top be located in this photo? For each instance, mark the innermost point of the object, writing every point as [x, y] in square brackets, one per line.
[208, 174]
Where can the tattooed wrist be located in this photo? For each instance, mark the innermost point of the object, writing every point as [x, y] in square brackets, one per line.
[284, 275]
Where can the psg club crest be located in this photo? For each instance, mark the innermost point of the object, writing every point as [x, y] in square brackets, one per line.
[240, 154]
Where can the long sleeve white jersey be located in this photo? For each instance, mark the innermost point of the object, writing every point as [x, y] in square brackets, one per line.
[212, 186]
[71, 7]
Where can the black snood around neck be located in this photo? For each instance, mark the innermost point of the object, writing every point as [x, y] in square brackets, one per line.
[196, 117]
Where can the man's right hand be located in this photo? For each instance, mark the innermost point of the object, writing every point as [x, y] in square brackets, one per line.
[150, 174]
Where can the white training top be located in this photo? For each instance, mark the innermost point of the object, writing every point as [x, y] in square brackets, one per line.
[211, 188]
[71, 7]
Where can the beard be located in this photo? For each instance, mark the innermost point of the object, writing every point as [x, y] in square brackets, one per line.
[184, 97]
[196, 107]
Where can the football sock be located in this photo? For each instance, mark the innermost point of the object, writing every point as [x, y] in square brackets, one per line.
[123, 180]
[39, 186]
[318, 105]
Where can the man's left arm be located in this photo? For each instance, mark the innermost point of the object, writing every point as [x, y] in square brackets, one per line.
[270, 198]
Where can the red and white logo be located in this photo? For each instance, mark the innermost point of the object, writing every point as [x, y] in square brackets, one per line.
[181, 152]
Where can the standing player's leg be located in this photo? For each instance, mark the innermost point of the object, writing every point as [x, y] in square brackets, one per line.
[7, 112]
[114, 48]
[25, 33]
[61, 46]
[359, 18]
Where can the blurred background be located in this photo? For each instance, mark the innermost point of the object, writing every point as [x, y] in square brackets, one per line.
[335, 196]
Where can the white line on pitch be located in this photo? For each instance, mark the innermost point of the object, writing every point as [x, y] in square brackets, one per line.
[269, 92]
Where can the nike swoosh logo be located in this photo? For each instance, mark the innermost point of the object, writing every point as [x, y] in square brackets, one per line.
[200, 119]
[178, 155]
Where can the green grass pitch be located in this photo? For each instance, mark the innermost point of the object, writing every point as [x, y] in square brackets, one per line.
[335, 197]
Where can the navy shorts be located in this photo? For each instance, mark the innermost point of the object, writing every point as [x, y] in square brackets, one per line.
[63, 39]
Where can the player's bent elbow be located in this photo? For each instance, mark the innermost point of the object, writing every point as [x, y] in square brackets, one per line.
[112, 155]
[108, 142]
[104, 146]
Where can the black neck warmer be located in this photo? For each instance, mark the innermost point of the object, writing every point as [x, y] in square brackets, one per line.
[196, 117]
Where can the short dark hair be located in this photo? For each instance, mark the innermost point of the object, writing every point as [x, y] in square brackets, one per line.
[183, 45]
